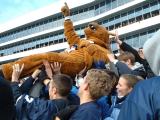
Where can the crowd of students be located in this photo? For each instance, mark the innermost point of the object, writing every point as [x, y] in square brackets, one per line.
[125, 89]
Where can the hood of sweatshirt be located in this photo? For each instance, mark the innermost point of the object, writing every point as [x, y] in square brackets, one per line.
[152, 52]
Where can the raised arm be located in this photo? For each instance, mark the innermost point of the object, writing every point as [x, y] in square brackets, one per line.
[69, 31]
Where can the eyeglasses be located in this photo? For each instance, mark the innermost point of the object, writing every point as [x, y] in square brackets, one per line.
[79, 80]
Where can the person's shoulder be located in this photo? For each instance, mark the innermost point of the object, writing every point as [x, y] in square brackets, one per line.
[145, 88]
[86, 111]
[73, 99]
[151, 82]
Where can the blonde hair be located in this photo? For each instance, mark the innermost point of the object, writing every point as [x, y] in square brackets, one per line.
[99, 83]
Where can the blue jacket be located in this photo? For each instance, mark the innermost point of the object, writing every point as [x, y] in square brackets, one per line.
[115, 108]
[87, 111]
[103, 103]
[29, 108]
[143, 103]
[38, 109]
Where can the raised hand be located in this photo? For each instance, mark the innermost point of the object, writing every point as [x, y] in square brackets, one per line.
[48, 69]
[117, 40]
[17, 69]
[65, 10]
[56, 66]
[36, 73]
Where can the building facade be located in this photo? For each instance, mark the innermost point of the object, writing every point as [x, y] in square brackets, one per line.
[135, 20]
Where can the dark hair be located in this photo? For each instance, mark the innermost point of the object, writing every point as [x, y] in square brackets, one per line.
[63, 83]
[127, 56]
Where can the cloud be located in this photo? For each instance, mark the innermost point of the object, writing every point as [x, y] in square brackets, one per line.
[10, 9]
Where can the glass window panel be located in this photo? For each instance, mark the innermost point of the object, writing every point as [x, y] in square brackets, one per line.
[143, 38]
[114, 4]
[108, 5]
[146, 8]
[135, 41]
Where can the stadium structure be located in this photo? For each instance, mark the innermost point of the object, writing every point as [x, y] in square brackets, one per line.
[42, 31]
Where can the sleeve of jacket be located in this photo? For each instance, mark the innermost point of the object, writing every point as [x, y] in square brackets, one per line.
[35, 108]
[125, 47]
[27, 85]
[123, 68]
[143, 102]
[70, 34]
[16, 91]
[137, 112]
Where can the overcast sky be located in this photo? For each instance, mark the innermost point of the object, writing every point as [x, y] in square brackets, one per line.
[10, 9]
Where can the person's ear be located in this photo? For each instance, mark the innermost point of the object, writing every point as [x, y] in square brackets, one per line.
[86, 86]
[130, 89]
[54, 90]
[128, 62]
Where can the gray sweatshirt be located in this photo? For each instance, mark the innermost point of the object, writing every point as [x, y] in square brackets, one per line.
[152, 52]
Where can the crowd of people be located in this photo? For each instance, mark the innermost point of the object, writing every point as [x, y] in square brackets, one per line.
[125, 89]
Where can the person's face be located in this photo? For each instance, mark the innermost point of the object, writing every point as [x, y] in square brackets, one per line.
[141, 53]
[81, 83]
[57, 118]
[52, 90]
[122, 88]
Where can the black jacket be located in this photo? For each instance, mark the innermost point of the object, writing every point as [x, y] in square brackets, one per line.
[125, 47]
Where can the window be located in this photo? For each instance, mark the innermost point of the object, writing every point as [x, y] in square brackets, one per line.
[56, 41]
[147, 15]
[51, 42]
[105, 21]
[146, 8]
[75, 12]
[65, 40]
[111, 19]
[131, 14]
[131, 20]
[45, 22]
[135, 41]
[129, 40]
[46, 43]
[114, 4]
[50, 20]
[139, 18]
[117, 19]
[108, 5]
[91, 8]
[138, 11]
[124, 23]
[155, 13]
[118, 25]
[111, 27]
[97, 6]
[86, 9]
[61, 40]
[102, 4]
[81, 11]
[59, 17]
